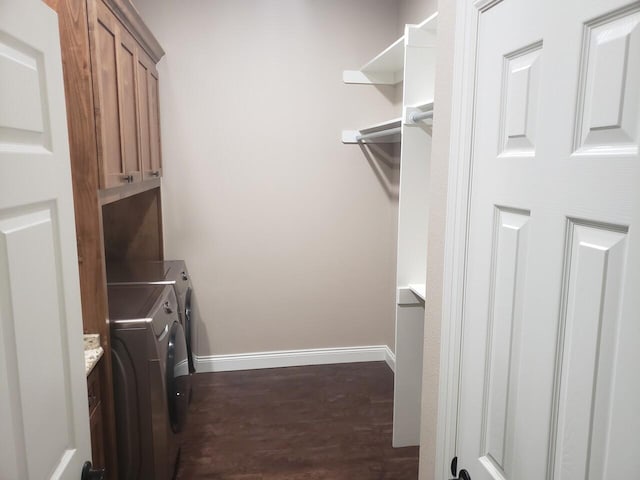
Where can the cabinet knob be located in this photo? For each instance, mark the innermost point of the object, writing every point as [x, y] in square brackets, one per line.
[127, 178]
[155, 173]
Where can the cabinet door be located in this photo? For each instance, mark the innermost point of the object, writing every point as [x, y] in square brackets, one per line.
[127, 64]
[154, 121]
[104, 47]
[114, 78]
[148, 116]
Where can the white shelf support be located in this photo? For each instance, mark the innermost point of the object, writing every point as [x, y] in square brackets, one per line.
[359, 77]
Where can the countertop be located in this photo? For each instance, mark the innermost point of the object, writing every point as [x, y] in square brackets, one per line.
[92, 352]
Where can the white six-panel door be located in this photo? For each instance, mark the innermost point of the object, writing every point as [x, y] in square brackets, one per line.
[550, 352]
[43, 400]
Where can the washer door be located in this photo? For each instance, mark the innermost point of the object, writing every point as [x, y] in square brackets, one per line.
[178, 380]
[188, 328]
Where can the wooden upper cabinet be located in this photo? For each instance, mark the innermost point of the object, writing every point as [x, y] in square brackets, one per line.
[126, 101]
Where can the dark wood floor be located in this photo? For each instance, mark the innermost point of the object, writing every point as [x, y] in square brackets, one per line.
[329, 422]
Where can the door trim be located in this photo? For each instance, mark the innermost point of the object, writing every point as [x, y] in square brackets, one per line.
[457, 225]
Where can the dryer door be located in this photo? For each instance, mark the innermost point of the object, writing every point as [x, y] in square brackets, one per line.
[178, 380]
[188, 328]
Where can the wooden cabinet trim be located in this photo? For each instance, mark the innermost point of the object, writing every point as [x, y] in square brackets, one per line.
[130, 18]
[115, 194]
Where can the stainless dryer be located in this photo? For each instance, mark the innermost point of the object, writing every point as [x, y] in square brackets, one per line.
[169, 272]
[151, 379]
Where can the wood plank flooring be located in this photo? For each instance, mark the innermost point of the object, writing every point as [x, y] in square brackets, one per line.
[328, 422]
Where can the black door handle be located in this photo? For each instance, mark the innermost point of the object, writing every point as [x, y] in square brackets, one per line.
[90, 473]
[464, 475]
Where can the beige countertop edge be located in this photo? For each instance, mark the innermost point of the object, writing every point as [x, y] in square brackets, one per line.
[92, 352]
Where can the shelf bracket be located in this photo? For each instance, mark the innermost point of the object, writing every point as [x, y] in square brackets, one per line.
[350, 136]
[369, 78]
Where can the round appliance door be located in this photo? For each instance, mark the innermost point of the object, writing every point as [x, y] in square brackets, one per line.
[178, 379]
[188, 328]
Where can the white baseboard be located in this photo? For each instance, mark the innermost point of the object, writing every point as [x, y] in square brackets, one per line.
[294, 358]
[390, 358]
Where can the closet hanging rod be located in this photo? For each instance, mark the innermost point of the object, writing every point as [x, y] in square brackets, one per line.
[382, 133]
[416, 117]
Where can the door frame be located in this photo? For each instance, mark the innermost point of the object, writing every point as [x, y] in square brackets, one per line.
[467, 16]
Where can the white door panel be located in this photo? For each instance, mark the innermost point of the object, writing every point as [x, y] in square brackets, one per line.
[43, 402]
[589, 326]
[550, 307]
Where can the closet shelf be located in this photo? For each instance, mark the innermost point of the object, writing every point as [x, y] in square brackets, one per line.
[387, 68]
[420, 289]
[384, 132]
[413, 294]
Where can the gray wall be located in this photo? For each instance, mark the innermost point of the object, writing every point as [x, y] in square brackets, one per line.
[289, 235]
[414, 11]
